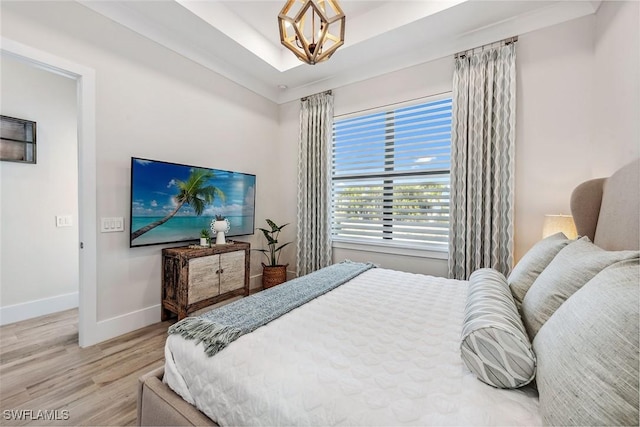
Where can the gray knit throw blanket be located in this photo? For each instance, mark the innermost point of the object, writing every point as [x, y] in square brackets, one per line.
[219, 327]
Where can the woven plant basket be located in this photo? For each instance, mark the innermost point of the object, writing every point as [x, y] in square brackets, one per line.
[273, 275]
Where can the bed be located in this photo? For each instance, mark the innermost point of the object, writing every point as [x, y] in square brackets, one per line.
[385, 347]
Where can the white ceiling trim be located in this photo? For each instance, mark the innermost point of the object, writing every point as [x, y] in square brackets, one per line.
[377, 21]
[532, 21]
[123, 15]
[388, 37]
[220, 17]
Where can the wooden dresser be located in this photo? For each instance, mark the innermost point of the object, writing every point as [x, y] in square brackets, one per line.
[194, 278]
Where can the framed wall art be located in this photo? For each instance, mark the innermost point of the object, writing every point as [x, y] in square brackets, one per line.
[17, 140]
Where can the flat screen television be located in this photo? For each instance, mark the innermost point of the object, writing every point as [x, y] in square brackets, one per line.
[171, 202]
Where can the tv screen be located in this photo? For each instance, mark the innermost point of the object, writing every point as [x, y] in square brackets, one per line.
[171, 202]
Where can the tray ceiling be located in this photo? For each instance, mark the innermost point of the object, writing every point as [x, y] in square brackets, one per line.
[239, 39]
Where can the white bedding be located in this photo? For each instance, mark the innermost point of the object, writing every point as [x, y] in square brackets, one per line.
[382, 349]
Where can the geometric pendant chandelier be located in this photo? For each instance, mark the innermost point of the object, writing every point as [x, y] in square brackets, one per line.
[312, 29]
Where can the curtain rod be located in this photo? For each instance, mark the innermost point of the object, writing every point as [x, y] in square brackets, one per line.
[326, 92]
[506, 42]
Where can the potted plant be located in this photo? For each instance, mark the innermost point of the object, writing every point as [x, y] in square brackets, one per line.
[273, 273]
[204, 237]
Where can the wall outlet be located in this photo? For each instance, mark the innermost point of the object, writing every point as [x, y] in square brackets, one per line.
[64, 221]
[111, 224]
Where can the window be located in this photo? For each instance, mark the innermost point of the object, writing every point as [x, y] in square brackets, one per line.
[390, 176]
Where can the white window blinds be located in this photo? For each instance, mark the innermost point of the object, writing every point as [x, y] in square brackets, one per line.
[390, 176]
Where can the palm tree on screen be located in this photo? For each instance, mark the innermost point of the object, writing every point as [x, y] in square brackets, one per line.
[192, 192]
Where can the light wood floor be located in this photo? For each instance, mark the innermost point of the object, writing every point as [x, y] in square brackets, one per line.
[42, 368]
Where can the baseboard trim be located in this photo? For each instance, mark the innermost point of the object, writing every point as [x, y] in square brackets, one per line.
[106, 329]
[125, 323]
[41, 307]
[120, 325]
[255, 282]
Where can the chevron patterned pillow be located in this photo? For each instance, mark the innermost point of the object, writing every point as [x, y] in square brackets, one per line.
[495, 345]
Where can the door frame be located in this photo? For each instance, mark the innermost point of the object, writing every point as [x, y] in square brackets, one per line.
[88, 333]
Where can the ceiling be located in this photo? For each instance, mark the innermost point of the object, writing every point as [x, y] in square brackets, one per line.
[239, 39]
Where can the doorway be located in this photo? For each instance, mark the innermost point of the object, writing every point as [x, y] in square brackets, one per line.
[88, 331]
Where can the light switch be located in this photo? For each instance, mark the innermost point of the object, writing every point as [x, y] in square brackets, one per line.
[111, 224]
[64, 221]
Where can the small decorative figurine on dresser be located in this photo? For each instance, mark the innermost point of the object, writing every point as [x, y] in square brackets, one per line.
[220, 226]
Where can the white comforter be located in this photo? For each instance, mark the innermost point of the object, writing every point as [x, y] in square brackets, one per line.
[382, 349]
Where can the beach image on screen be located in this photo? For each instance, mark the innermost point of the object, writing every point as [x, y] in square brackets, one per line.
[172, 202]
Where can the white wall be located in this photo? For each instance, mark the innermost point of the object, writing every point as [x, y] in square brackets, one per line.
[567, 76]
[155, 104]
[616, 121]
[555, 68]
[287, 169]
[578, 110]
[39, 260]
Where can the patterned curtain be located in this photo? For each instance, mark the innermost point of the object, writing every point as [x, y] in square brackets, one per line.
[482, 158]
[314, 184]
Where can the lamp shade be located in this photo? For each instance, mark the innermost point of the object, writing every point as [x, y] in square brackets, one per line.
[559, 223]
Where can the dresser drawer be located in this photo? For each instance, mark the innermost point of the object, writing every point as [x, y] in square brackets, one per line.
[203, 280]
[231, 271]
[196, 277]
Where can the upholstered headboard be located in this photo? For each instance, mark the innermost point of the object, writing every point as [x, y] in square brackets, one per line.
[607, 210]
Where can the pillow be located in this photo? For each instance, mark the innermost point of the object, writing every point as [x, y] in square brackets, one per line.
[532, 263]
[574, 266]
[495, 345]
[588, 353]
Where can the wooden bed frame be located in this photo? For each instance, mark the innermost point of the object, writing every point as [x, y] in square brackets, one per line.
[607, 210]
